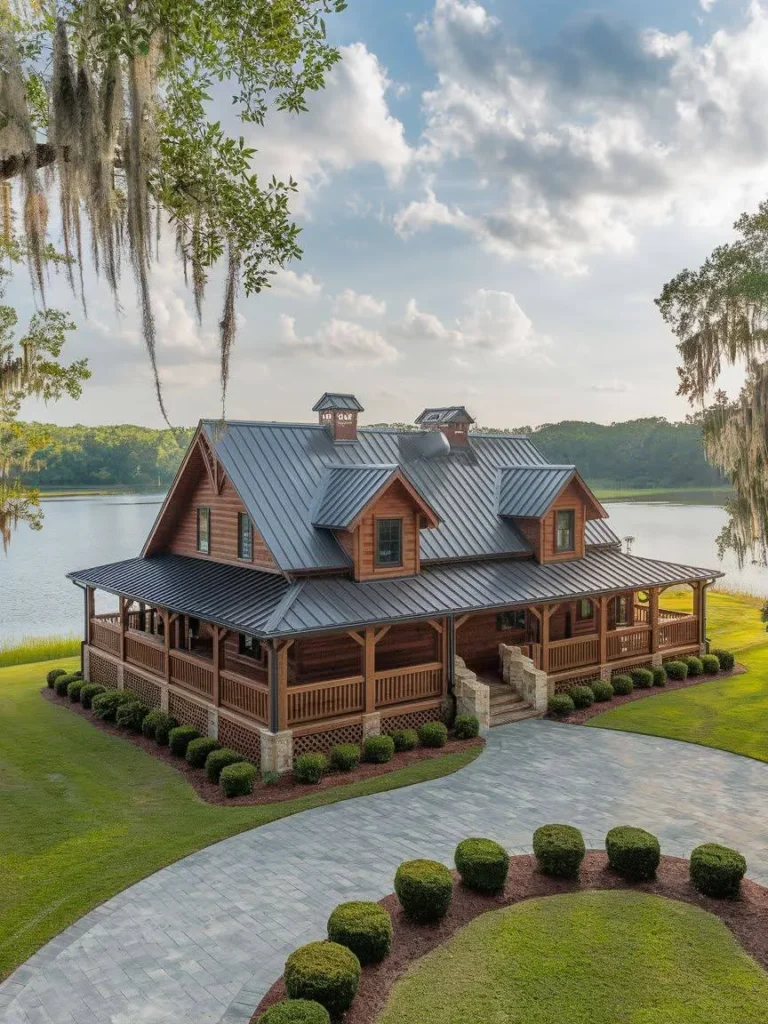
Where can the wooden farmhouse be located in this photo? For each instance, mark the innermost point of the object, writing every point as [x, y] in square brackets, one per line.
[307, 584]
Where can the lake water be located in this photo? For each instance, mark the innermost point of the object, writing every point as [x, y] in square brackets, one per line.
[36, 599]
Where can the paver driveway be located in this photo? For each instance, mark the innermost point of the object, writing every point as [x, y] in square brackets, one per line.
[203, 939]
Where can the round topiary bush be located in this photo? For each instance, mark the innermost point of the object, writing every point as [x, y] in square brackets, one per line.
[695, 667]
[717, 870]
[295, 1011]
[157, 725]
[78, 674]
[560, 704]
[466, 727]
[131, 714]
[218, 760]
[88, 691]
[345, 757]
[622, 685]
[602, 690]
[105, 705]
[424, 888]
[726, 659]
[710, 664]
[642, 678]
[310, 768]
[433, 734]
[559, 850]
[676, 670]
[324, 972]
[365, 928]
[73, 690]
[581, 696]
[238, 779]
[404, 739]
[164, 728]
[482, 864]
[199, 749]
[54, 674]
[180, 738]
[378, 749]
[61, 683]
[633, 852]
[659, 675]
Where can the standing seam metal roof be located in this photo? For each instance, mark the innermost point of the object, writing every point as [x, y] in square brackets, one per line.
[333, 400]
[345, 492]
[530, 490]
[599, 534]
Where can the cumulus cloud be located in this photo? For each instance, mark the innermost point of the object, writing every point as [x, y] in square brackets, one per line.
[336, 339]
[356, 304]
[288, 282]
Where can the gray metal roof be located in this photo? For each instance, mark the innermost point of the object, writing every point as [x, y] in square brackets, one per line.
[599, 534]
[448, 414]
[529, 490]
[333, 400]
[277, 468]
[345, 492]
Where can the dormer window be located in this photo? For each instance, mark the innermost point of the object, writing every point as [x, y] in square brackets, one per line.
[204, 530]
[565, 530]
[389, 542]
[244, 537]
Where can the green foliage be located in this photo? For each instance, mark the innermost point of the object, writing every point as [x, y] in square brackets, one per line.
[217, 760]
[695, 667]
[180, 738]
[727, 659]
[61, 683]
[642, 678]
[633, 852]
[560, 704]
[270, 778]
[466, 727]
[157, 725]
[424, 888]
[602, 690]
[717, 870]
[310, 768]
[324, 972]
[404, 739]
[622, 685]
[345, 757]
[105, 705]
[559, 850]
[89, 691]
[73, 690]
[54, 674]
[676, 670]
[710, 664]
[659, 675]
[238, 779]
[433, 734]
[295, 1011]
[199, 749]
[378, 749]
[131, 714]
[482, 864]
[581, 696]
[365, 928]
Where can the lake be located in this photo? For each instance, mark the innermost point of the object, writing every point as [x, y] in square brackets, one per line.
[36, 599]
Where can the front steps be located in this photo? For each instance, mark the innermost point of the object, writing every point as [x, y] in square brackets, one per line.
[508, 706]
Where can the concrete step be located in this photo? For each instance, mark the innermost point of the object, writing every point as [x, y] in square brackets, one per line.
[516, 716]
[505, 698]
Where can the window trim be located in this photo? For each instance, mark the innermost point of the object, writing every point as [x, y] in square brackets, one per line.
[571, 513]
[244, 517]
[501, 616]
[377, 543]
[207, 549]
[579, 606]
[242, 638]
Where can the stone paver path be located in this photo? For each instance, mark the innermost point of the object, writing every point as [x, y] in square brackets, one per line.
[202, 940]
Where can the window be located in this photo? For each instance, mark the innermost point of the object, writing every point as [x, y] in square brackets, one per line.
[621, 606]
[565, 532]
[250, 647]
[511, 620]
[204, 530]
[389, 542]
[584, 609]
[244, 537]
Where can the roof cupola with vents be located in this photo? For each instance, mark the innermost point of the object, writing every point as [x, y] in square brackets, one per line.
[338, 413]
[453, 421]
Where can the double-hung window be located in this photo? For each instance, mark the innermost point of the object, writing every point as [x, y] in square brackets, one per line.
[565, 530]
[244, 537]
[204, 530]
[389, 542]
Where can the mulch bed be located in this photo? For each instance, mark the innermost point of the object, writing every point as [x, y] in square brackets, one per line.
[745, 917]
[582, 715]
[285, 788]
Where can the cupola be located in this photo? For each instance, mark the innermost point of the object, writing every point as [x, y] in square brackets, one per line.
[338, 413]
[453, 421]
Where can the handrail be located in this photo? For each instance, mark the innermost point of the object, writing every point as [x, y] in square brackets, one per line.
[311, 702]
[397, 672]
[244, 695]
[413, 682]
[309, 687]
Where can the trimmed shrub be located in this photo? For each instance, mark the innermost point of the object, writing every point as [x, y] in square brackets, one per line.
[378, 749]
[602, 690]
[717, 870]
[466, 727]
[324, 972]
[73, 690]
[581, 696]
[238, 779]
[345, 757]
[677, 670]
[622, 685]
[404, 739]
[199, 749]
[695, 667]
[710, 663]
[180, 738]
[61, 683]
[424, 888]
[559, 850]
[642, 678]
[365, 928]
[633, 852]
[78, 674]
[131, 714]
[106, 704]
[90, 690]
[659, 675]
[482, 864]
[54, 674]
[270, 778]
[726, 659]
[433, 734]
[157, 725]
[217, 760]
[560, 704]
[310, 768]
[295, 1011]
[164, 729]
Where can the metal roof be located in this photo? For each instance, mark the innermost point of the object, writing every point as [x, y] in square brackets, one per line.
[448, 414]
[529, 490]
[333, 400]
[345, 492]
[599, 534]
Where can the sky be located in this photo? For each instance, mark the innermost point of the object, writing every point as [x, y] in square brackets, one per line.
[491, 196]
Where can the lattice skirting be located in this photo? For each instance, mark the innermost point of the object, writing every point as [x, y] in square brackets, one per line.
[625, 670]
[188, 713]
[322, 740]
[563, 685]
[411, 719]
[148, 692]
[242, 739]
[102, 671]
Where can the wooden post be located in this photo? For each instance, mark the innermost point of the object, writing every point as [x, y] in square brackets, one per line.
[91, 611]
[445, 652]
[369, 670]
[602, 628]
[545, 639]
[215, 697]
[653, 617]
[121, 607]
[282, 685]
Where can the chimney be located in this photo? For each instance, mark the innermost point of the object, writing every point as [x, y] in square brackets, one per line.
[339, 414]
[453, 421]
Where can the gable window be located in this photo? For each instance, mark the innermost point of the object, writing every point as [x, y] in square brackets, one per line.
[584, 609]
[565, 530]
[250, 647]
[511, 620]
[244, 537]
[204, 530]
[389, 542]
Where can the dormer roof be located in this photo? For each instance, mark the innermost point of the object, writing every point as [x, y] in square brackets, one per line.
[335, 400]
[447, 414]
[346, 491]
[528, 492]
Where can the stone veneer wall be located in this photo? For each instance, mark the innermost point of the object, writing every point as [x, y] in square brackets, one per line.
[472, 696]
[522, 675]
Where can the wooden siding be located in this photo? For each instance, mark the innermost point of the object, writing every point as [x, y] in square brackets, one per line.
[394, 503]
[409, 643]
[573, 497]
[233, 661]
[331, 656]
[477, 641]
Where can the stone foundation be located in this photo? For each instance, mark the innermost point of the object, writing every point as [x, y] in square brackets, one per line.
[522, 675]
[472, 696]
[276, 751]
[213, 723]
[371, 724]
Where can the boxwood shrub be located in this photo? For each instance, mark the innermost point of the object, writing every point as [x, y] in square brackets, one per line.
[310, 768]
[633, 852]
[560, 704]
[642, 678]
[345, 757]
[238, 779]
[131, 714]
[105, 705]
[677, 670]
[717, 870]
[659, 675]
[157, 725]
[199, 749]
[601, 689]
[559, 850]
[433, 734]
[466, 727]
[90, 690]
[73, 690]
[581, 696]
[404, 739]
[62, 682]
[325, 972]
[218, 760]
[482, 864]
[622, 685]
[378, 749]
[365, 928]
[180, 738]
[726, 659]
[710, 663]
[695, 667]
[295, 1011]
[54, 674]
[424, 888]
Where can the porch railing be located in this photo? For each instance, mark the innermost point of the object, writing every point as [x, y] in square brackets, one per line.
[678, 632]
[411, 683]
[191, 673]
[140, 650]
[315, 701]
[626, 643]
[106, 634]
[564, 654]
[249, 698]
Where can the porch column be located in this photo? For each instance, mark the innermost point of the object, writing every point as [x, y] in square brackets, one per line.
[545, 638]
[281, 655]
[121, 619]
[90, 611]
[602, 628]
[215, 698]
[653, 617]
[167, 643]
[369, 670]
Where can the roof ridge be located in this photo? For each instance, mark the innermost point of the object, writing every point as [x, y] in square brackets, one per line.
[294, 589]
[540, 465]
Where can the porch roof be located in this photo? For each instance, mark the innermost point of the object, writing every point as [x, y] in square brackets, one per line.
[265, 604]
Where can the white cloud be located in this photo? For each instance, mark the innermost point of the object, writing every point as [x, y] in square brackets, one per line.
[336, 339]
[707, 4]
[614, 387]
[288, 282]
[352, 302]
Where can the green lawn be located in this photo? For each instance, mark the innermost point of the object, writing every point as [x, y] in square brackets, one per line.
[587, 958]
[730, 714]
[84, 814]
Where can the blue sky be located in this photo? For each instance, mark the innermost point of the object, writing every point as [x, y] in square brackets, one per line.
[492, 194]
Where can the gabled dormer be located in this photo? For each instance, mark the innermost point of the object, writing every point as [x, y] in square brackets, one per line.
[550, 506]
[377, 515]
